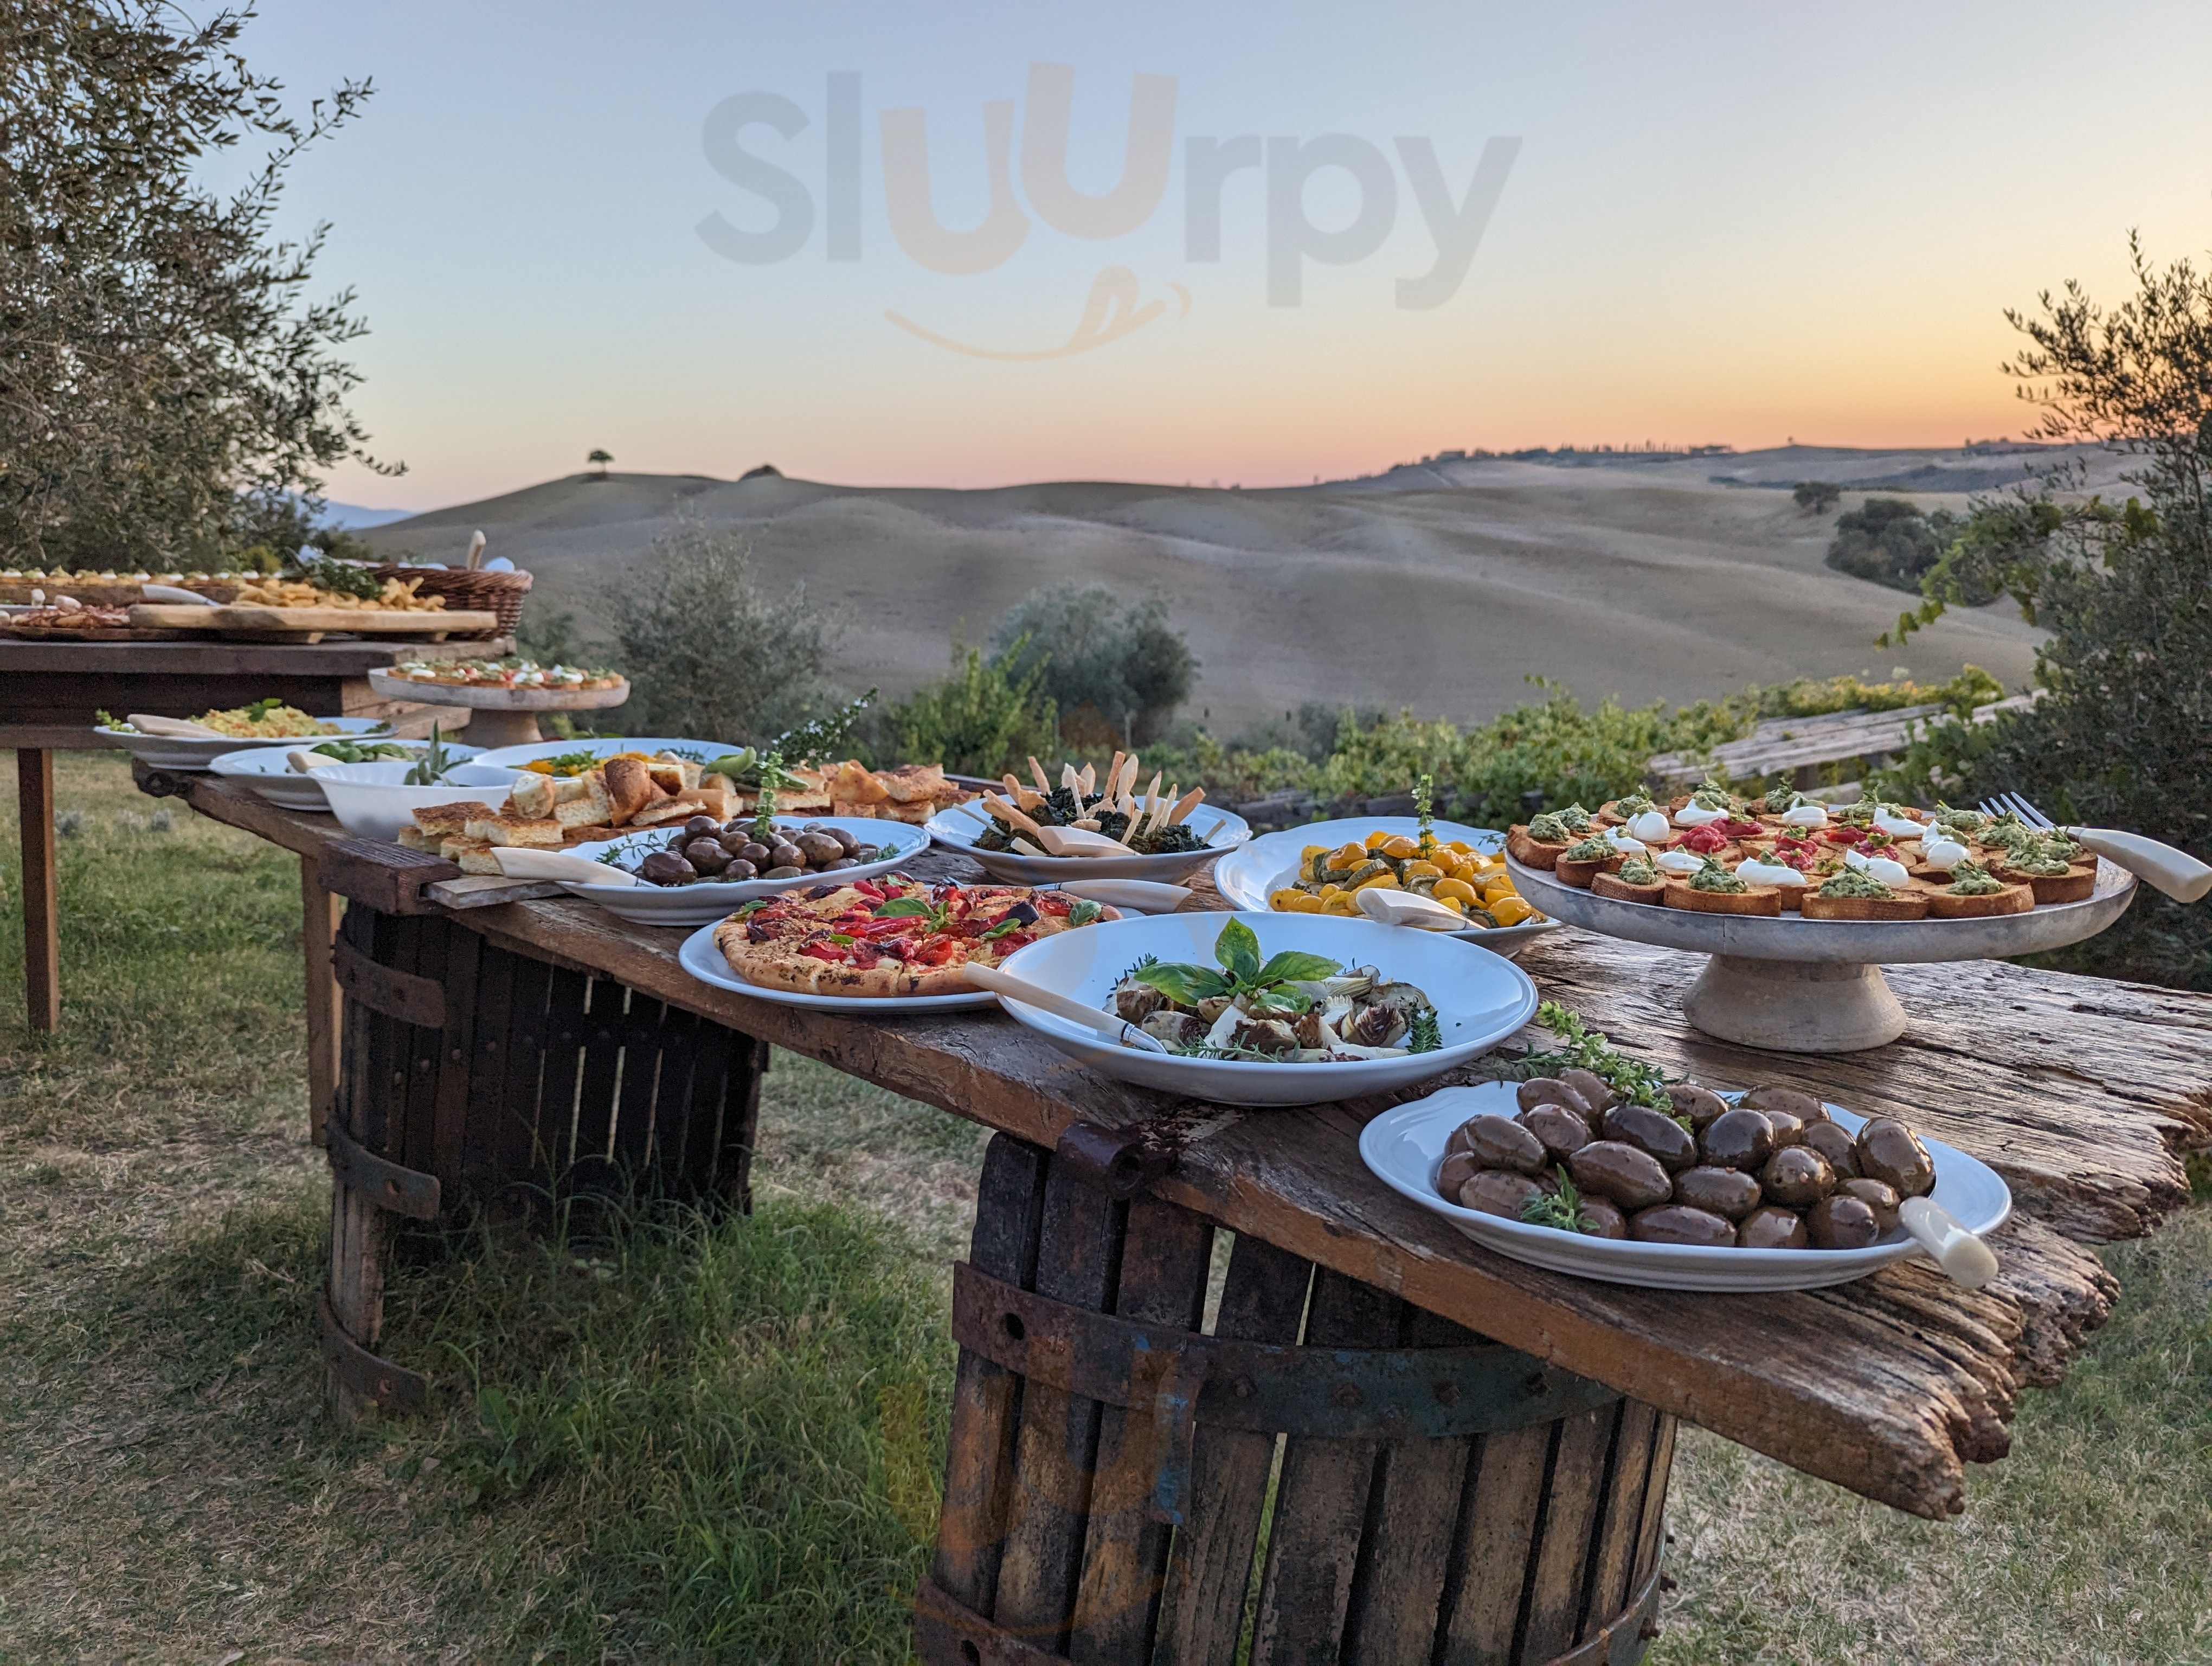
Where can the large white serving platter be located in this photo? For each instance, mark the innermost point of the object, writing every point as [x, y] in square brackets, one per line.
[1834, 942]
[1405, 1147]
[700, 957]
[699, 751]
[268, 770]
[372, 800]
[1481, 998]
[708, 901]
[957, 829]
[490, 697]
[1248, 875]
[162, 751]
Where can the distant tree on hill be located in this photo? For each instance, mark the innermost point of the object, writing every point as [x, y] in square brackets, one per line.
[166, 395]
[1817, 498]
[1888, 540]
[598, 460]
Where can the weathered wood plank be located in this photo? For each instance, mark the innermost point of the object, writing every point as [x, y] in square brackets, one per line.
[1572, 1490]
[1503, 1501]
[1613, 1553]
[488, 1061]
[42, 953]
[325, 1005]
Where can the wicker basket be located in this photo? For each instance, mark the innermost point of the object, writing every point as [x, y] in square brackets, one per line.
[468, 591]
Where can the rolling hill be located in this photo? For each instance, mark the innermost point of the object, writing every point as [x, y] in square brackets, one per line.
[1442, 586]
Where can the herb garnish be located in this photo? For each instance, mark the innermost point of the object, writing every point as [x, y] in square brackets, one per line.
[1640, 1083]
[1269, 989]
[434, 762]
[1562, 1210]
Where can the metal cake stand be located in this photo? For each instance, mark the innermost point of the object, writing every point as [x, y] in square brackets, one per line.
[1815, 986]
[499, 717]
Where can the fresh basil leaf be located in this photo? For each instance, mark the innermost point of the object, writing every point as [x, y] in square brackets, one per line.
[841, 938]
[1185, 985]
[1003, 929]
[1294, 966]
[1238, 952]
[901, 908]
[1282, 998]
[1085, 911]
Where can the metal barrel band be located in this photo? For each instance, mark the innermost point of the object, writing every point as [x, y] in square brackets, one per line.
[1621, 1640]
[1120, 1162]
[401, 995]
[948, 1632]
[395, 1388]
[1180, 1378]
[401, 1191]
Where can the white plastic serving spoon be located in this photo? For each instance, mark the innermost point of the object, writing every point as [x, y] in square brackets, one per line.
[304, 762]
[1144, 896]
[176, 728]
[169, 593]
[1065, 1006]
[518, 862]
[1964, 1258]
[1408, 908]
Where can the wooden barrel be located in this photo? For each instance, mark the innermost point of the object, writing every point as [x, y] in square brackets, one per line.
[466, 1071]
[1298, 1468]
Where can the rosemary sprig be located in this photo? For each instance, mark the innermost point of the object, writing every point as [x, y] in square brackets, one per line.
[1562, 1210]
[1425, 1034]
[1639, 1084]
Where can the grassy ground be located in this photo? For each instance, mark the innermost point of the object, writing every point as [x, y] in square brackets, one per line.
[717, 1440]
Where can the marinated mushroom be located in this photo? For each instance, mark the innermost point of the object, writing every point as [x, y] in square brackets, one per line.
[1891, 1152]
[1729, 1192]
[1677, 1222]
[1649, 1131]
[1629, 1177]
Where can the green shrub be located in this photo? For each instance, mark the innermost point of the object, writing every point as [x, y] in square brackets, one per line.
[1888, 540]
[1127, 664]
[980, 720]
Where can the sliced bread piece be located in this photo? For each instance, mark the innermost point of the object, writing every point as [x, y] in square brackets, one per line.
[534, 832]
[661, 811]
[2073, 885]
[2013, 899]
[629, 788]
[1899, 905]
[1609, 883]
[443, 819]
[1764, 900]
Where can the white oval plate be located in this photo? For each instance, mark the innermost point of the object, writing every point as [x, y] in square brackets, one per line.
[269, 772]
[1247, 876]
[1481, 1000]
[162, 751]
[1405, 1146]
[700, 957]
[956, 829]
[710, 901]
[372, 800]
[699, 751]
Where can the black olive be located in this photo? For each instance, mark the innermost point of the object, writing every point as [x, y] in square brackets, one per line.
[1769, 1096]
[852, 845]
[739, 871]
[818, 848]
[1629, 1177]
[843, 862]
[1768, 1228]
[787, 855]
[1677, 1223]
[755, 853]
[1728, 1192]
[701, 827]
[735, 842]
[1891, 1152]
[1701, 1105]
[1649, 1130]
[707, 856]
[1877, 1197]
[786, 871]
[1788, 1127]
[1798, 1176]
[1500, 1192]
[1841, 1222]
[864, 853]
[1022, 913]
[1497, 1143]
[1739, 1139]
[665, 867]
[1590, 1086]
[1564, 1132]
[1551, 1091]
[1838, 1147]
[1459, 1167]
[1608, 1221]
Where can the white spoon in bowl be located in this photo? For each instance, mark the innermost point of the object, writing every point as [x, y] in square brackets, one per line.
[1009, 987]
[1964, 1258]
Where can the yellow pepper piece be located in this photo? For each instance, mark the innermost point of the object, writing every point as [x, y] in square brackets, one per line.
[1455, 891]
[1284, 901]
[1377, 838]
[1305, 904]
[1348, 855]
[1510, 910]
[1453, 903]
[1380, 882]
[1330, 890]
[1401, 848]
[1424, 871]
[1340, 903]
[1312, 851]
[1461, 846]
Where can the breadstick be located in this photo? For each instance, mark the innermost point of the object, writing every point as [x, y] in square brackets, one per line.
[1044, 786]
[1113, 776]
[1185, 805]
[1008, 813]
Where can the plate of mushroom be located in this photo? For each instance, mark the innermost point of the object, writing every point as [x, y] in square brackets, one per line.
[1772, 1188]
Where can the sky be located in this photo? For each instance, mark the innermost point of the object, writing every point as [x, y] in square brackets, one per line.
[574, 226]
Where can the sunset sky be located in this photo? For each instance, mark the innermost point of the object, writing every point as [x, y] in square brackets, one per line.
[1724, 223]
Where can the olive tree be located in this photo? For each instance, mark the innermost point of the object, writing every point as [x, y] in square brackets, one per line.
[167, 393]
[1126, 662]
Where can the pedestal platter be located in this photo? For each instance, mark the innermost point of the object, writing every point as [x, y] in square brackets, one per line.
[1815, 986]
[499, 716]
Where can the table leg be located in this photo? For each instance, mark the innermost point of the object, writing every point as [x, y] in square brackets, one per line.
[319, 922]
[42, 963]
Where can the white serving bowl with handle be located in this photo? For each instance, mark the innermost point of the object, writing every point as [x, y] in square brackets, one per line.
[1481, 1000]
[374, 801]
[268, 770]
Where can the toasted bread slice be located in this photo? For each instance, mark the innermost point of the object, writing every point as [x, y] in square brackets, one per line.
[854, 807]
[443, 819]
[414, 838]
[1764, 900]
[1904, 905]
[1578, 873]
[589, 807]
[533, 795]
[913, 815]
[661, 811]
[2013, 899]
[472, 854]
[1609, 883]
[629, 786]
[2072, 886]
[852, 784]
[534, 832]
[914, 783]
[1530, 852]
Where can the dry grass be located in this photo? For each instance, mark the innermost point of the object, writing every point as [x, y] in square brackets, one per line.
[670, 1446]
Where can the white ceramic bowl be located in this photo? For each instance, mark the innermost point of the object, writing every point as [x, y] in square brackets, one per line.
[184, 753]
[268, 770]
[957, 827]
[707, 901]
[1248, 875]
[699, 751]
[1405, 1146]
[1481, 998]
[372, 800]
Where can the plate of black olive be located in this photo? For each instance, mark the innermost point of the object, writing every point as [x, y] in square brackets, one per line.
[695, 874]
[1771, 1190]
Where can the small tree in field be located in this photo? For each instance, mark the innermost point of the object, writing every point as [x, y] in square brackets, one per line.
[1817, 498]
[598, 460]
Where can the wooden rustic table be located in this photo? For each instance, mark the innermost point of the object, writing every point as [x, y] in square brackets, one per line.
[1475, 1451]
[50, 690]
